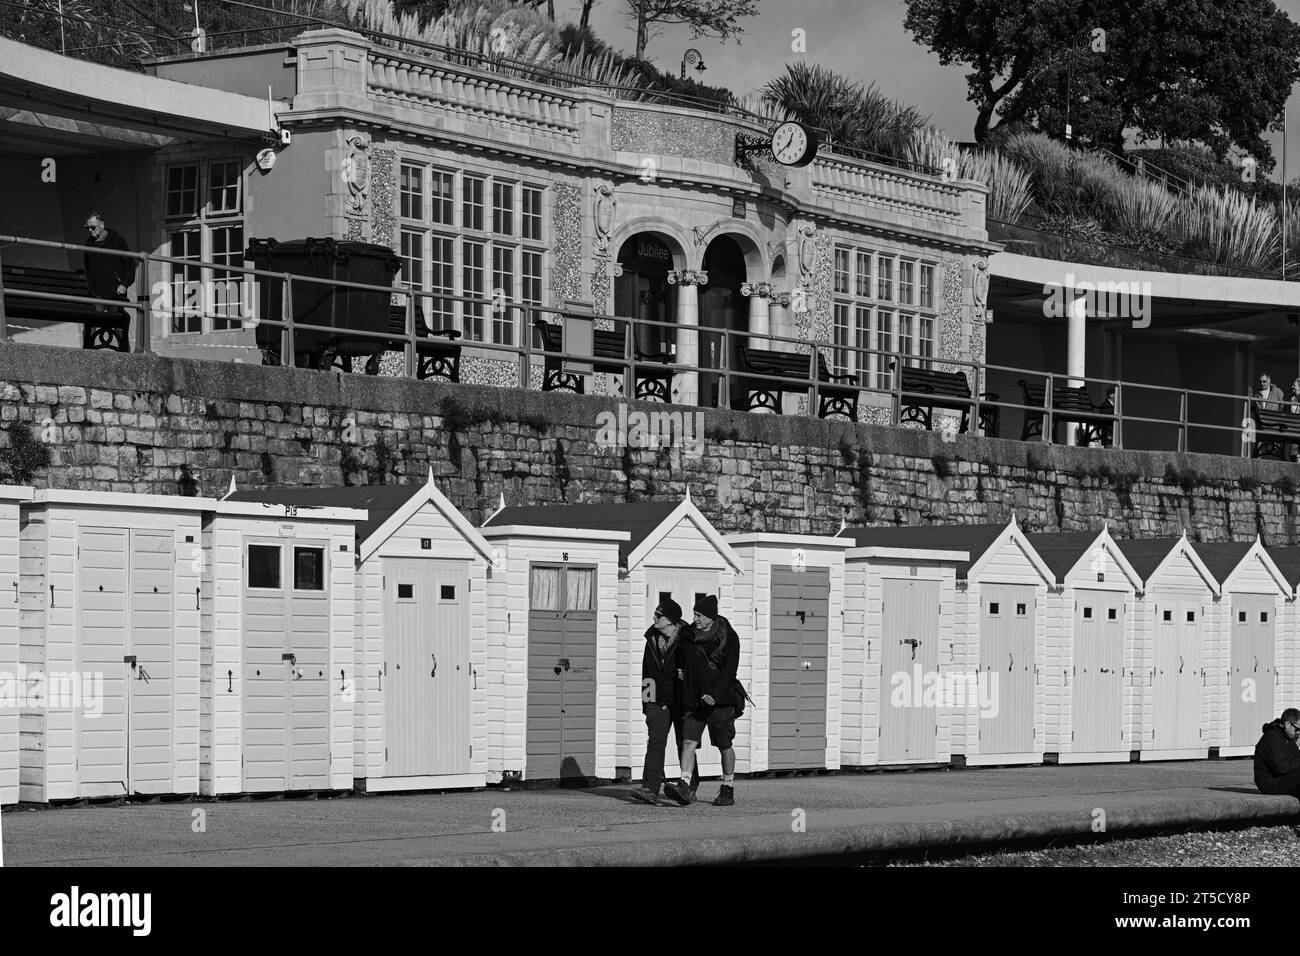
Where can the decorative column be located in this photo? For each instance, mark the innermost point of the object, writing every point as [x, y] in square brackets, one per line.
[760, 296]
[779, 321]
[686, 385]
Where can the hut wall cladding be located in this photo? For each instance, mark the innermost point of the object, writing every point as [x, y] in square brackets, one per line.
[173, 426]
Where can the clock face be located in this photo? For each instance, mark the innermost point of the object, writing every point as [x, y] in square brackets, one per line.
[793, 144]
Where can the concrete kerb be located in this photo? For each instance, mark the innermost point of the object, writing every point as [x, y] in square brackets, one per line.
[892, 838]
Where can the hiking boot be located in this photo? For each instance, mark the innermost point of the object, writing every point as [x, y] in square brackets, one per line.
[680, 792]
[726, 797]
[646, 795]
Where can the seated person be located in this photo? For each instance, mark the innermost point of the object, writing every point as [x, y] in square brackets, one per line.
[1277, 759]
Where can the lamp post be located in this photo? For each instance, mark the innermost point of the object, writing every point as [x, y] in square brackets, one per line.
[692, 57]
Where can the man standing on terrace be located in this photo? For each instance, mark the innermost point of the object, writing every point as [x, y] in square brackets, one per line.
[107, 276]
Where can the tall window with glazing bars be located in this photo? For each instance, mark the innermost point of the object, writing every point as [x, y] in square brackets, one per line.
[884, 311]
[476, 235]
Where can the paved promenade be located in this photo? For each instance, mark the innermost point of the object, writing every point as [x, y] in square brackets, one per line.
[774, 819]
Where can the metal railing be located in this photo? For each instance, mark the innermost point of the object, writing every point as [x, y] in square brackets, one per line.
[1174, 419]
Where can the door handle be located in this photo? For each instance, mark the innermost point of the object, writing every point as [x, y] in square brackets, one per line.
[1256, 663]
[129, 659]
[1180, 664]
[434, 672]
[15, 592]
[1104, 671]
[1011, 661]
[562, 664]
[230, 682]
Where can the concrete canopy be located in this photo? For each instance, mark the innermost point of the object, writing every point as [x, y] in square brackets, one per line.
[108, 105]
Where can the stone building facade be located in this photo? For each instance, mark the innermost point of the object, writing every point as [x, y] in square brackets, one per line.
[490, 185]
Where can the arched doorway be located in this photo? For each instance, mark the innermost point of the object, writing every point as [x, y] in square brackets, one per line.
[643, 293]
[722, 307]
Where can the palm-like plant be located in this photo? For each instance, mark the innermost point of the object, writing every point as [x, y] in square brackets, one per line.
[848, 113]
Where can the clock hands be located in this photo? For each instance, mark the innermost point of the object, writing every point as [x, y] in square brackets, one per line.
[788, 138]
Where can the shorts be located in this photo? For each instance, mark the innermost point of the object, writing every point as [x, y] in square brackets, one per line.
[721, 722]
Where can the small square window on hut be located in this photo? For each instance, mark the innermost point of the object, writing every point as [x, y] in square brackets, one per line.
[406, 592]
[1110, 614]
[993, 608]
[1169, 616]
[1263, 617]
[1087, 614]
[263, 566]
[309, 569]
[1020, 610]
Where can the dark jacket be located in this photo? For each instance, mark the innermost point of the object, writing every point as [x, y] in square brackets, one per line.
[709, 664]
[662, 670]
[1275, 756]
[105, 272]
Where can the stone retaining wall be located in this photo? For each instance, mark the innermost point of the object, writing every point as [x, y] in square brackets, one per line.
[171, 426]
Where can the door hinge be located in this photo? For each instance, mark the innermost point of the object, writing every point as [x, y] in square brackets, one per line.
[385, 753]
[1072, 736]
[471, 750]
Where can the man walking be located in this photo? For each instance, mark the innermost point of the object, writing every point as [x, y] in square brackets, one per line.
[710, 659]
[660, 696]
[1277, 759]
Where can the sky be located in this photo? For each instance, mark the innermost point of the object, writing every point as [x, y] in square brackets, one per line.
[864, 39]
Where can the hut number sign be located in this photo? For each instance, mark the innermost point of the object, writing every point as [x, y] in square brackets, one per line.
[288, 529]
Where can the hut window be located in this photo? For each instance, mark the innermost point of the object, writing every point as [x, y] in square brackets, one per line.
[263, 566]
[1087, 614]
[546, 589]
[993, 608]
[578, 592]
[1191, 616]
[1020, 610]
[1263, 617]
[405, 591]
[1110, 614]
[1169, 615]
[309, 569]
[1241, 617]
[448, 592]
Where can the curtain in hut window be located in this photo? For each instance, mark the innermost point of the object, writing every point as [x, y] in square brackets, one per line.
[546, 589]
[579, 588]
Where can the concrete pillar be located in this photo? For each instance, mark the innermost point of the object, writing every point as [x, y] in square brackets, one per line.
[686, 385]
[1076, 364]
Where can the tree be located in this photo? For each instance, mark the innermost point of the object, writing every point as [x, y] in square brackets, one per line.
[586, 13]
[1210, 71]
[706, 18]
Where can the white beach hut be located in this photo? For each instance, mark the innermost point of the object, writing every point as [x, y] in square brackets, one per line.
[669, 550]
[421, 636]
[110, 588]
[12, 686]
[1255, 599]
[976, 680]
[279, 616]
[1177, 636]
[552, 660]
[1091, 650]
[791, 592]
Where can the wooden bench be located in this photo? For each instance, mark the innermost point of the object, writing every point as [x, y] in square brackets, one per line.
[103, 326]
[926, 389]
[833, 398]
[652, 384]
[1071, 404]
[437, 352]
[1276, 430]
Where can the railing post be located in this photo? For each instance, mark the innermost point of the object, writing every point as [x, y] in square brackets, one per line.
[144, 314]
[977, 373]
[629, 360]
[409, 347]
[526, 346]
[724, 386]
[288, 357]
[1184, 439]
[1049, 425]
[4, 323]
[1117, 433]
[813, 365]
[896, 386]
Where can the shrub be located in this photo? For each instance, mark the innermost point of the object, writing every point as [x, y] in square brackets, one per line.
[23, 455]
